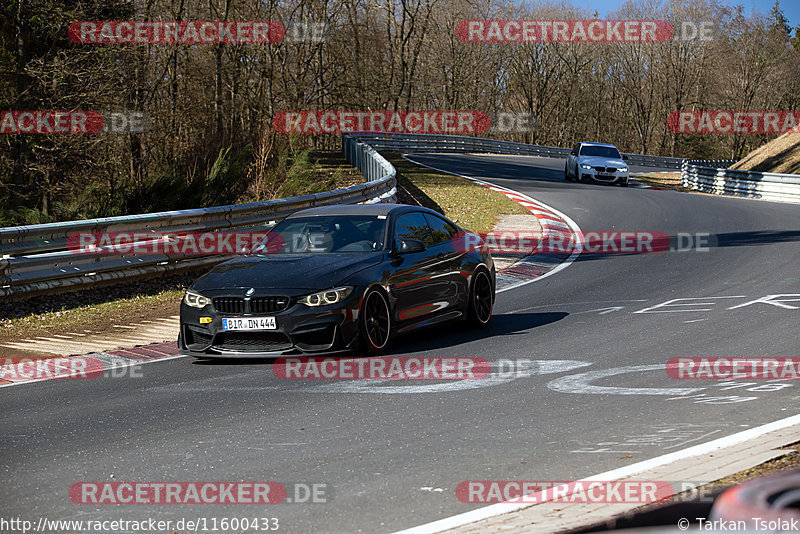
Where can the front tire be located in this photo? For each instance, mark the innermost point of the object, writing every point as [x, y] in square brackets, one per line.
[481, 299]
[566, 173]
[375, 322]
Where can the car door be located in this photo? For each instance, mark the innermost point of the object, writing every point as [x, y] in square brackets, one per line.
[418, 282]
[451, 254]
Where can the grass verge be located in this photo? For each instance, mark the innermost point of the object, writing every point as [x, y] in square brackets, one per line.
[92, 309]
[666, 180]
[468, 204]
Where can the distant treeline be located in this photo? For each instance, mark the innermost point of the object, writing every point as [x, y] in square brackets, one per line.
[211, 140]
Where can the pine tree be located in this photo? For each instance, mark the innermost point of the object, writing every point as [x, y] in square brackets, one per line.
[778, 21]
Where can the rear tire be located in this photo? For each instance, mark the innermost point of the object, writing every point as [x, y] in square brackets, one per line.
[375, 322]
[481, 299]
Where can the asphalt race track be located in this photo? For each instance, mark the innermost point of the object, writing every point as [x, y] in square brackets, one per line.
[392, 454]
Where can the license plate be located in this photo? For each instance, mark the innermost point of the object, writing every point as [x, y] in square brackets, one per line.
[605, 175]
[249, 323]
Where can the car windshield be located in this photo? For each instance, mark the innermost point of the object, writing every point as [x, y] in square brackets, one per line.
[326, 234]
[600, 151]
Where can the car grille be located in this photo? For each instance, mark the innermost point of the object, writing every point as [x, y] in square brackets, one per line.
[257, 305]
[269, 304]
[252, 341]
[228, 304]
[605, 169]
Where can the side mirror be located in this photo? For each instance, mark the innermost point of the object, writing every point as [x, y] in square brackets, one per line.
[410, 246]
[624, 156]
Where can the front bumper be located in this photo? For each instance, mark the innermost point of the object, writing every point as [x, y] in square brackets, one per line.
[605, 176]
[299, 328]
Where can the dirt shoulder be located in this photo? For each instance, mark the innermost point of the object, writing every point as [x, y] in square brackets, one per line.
[781, 155]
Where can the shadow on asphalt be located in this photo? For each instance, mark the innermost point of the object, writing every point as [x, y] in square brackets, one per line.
[512, 324]
[441, 336]
[731, 239]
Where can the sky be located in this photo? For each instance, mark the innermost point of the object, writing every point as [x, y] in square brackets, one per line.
[790, 8]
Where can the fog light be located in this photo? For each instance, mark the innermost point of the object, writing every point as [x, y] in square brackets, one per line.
[205, 320]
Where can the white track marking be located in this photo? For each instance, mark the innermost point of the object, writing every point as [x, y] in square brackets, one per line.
[581, 383]
[386, 386]
[131, 364]
[609, 476]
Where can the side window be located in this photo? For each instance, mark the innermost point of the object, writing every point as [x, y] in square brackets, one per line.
[413, 226]
[575, 149]
[441, 230]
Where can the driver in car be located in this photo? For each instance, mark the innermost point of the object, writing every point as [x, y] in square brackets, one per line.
[319, 241]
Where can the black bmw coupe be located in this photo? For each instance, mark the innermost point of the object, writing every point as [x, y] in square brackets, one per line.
[340, 278]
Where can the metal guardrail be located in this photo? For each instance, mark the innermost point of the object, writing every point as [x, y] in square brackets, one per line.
[711, 176]
[457, 143]
[35, 259]
[718, 163]
[701, 176]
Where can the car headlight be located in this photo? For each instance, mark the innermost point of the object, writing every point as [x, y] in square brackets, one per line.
[324, 298]
[588, 167]
[196, 300]
[623, 169]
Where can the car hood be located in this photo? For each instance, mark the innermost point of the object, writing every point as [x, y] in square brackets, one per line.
[601, 162]
[300, 271]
